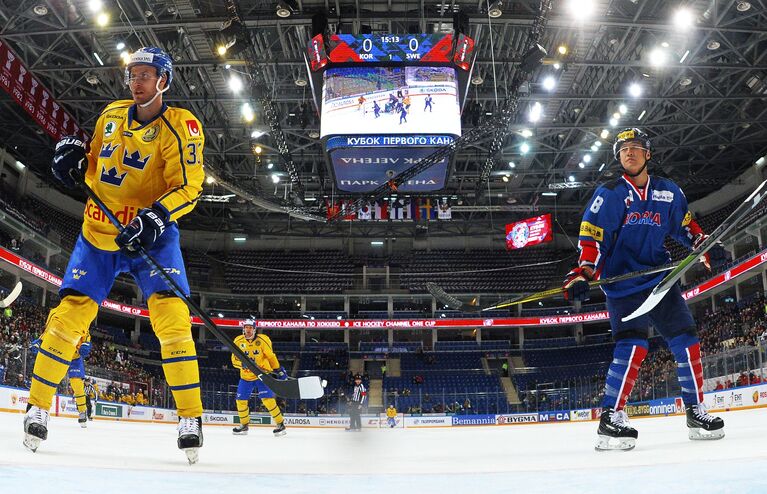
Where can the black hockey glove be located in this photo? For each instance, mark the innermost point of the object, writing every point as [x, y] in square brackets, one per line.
[69, 160]
[142, 231]
[279, 374]
[576, 285]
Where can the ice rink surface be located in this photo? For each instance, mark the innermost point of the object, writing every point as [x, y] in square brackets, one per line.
[121, 457]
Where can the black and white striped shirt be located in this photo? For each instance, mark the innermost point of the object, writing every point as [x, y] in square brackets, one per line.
[359, 395]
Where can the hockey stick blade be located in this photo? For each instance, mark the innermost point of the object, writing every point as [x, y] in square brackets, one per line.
[748, 205]
[286, 388]
[11, 298]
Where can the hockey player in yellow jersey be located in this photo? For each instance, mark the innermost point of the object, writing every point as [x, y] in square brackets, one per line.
[391, 416]
[258, 347]
[145, 161]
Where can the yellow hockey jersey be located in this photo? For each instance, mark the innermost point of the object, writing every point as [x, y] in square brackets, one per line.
[391, 412]
[133, 165]
[259, 349]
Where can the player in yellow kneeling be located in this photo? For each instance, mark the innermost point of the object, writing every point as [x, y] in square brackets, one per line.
[259, 349]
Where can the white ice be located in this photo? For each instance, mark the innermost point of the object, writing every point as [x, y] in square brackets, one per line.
[116, 457]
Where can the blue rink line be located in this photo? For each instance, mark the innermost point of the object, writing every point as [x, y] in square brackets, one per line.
[714, 477]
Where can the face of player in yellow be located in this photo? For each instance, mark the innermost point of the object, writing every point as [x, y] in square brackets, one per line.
[143, 83]
[249, 332]
[633, 157]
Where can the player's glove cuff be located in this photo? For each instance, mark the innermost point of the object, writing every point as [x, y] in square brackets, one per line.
[576, 284]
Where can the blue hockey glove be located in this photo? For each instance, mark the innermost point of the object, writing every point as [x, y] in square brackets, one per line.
[85, 349]
[69, 160]
[576, 285]
[279, 374]
[142, 231]
[35, 347]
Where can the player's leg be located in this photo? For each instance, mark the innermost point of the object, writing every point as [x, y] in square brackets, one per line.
[267, 398]
[170, 320]
[672, 318]
[631, 347]
[76, 374]
[87, 280]
[244, 390]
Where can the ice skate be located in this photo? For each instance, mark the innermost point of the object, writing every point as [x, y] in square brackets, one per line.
[614, 432]
[240, 430]
[82, 419]
[280, 430]
[35, 427]
[703, 426]
[190, 437]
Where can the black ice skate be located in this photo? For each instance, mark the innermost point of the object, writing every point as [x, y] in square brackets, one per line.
[190, 437]
[82, 419]
[614, 432]
[35, 427]
[703, 426]
[240, 430]
[280, 430]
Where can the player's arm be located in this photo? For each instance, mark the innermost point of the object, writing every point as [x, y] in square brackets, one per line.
[600, 223]
[183, 173]
[688, 232]
[236, 363]
[267, 353]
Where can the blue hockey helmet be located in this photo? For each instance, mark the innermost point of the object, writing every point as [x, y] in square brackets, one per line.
[151, 55]
[631, 135]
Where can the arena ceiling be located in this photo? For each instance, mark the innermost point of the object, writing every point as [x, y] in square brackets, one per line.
[703, 96]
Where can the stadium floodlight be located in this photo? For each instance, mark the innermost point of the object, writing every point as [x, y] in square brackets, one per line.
[512, 164]
[657, 57]
[549, 83]
[275, 178]
[562, 50]
[587, 158]
[95, 5]
[270, 165]
[535, 112]
[286, 8]
[598, 143]
[613, 122]
[120, 46]
[102, 19]
[549, 194]
[594, 148]
[623, 109]
[571, 178]
[235, 84]
[683, 19]
[604, 134]
[496, 9]
[641, 115]
[581, 9]
[524, 148]
[602, 167]
[617, 115]
[581, 165]
[635, 90]
[210, 180]
[247, 112]
[526, 133]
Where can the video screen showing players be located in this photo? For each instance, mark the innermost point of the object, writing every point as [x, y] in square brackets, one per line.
[390, 100]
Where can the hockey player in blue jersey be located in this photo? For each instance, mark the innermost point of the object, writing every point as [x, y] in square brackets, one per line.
[428, 102]
[376, 109]
[623, 230]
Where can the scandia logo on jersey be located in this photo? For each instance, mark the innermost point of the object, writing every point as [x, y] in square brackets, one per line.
[124, 215]
[646, 218]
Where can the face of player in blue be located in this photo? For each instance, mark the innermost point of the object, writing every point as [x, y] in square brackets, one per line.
[633, 159]
[143, 83]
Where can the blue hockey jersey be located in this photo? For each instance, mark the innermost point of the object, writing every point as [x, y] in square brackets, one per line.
[624, 229]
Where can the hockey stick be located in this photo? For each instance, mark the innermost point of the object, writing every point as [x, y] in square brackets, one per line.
[11, 298]
[304, 388]
[454, 303]
[748, 205]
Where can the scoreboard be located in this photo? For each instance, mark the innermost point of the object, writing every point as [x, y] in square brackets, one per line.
[387, 101]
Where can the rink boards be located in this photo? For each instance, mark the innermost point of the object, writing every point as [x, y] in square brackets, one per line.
[14, 400]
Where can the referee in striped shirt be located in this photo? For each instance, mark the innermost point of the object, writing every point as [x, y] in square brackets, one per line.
[357, 400]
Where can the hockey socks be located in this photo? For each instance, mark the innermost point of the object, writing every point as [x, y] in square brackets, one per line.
[170, 320]
[243, 412]
[686, 350]
[78, 388]
[66, 326]
[274, 410]
[622, 374]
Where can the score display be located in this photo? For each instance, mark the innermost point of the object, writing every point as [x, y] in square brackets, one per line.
[391, 48]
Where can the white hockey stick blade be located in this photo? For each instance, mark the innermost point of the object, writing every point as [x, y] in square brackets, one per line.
[311, 387]
[11, 298]
[647, 305]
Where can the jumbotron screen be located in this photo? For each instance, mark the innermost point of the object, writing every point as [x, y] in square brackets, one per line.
[532, 231]
[390, 100]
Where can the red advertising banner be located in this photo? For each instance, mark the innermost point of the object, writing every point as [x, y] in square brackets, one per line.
[500, 322]
[318, 57]
[34, 97]
[532, 231]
